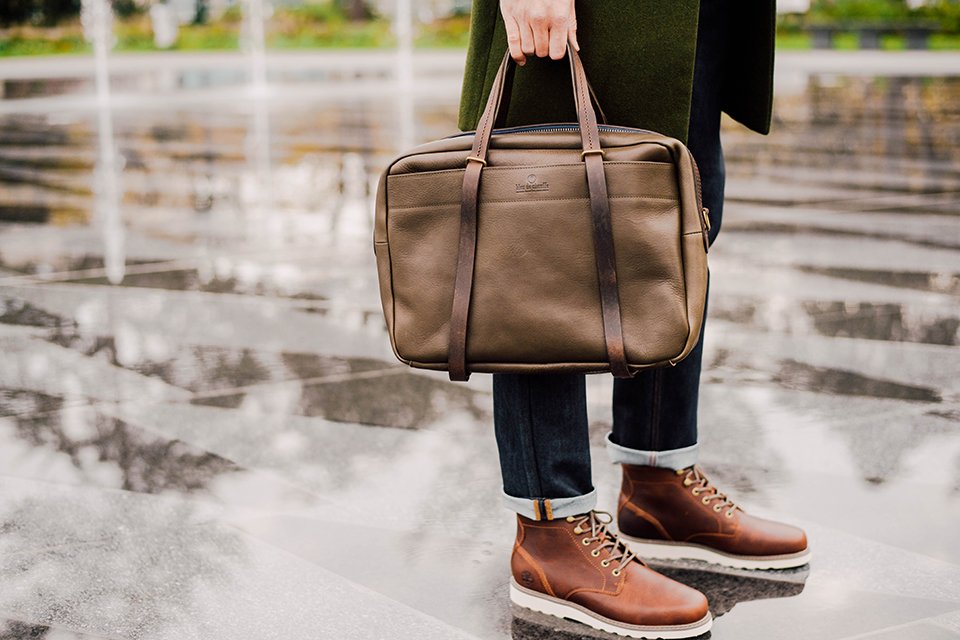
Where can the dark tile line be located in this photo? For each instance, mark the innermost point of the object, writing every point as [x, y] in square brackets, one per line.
[813, 229]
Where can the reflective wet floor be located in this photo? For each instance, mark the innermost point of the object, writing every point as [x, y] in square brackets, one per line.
[203, 432]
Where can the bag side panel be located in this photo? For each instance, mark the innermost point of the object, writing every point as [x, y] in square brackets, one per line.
[694, 250]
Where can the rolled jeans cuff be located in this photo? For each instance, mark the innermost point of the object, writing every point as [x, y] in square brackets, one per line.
[670, 459]
[551, 508]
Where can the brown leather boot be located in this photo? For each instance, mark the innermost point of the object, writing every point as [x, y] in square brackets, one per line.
[669, 514]
[576, 568]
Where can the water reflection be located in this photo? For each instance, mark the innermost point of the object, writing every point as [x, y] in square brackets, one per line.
[14, 630]
[800, 375]
[355, 390]
[724, 588]
[386, 397]
[15, 311]
[889, 322]
[100, 447]
[894, 134]
[938, 282]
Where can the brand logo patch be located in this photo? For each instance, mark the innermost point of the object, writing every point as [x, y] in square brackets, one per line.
[526, 578]
[533, 184]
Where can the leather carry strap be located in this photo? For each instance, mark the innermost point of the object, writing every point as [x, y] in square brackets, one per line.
[508, 85]
[592, 155]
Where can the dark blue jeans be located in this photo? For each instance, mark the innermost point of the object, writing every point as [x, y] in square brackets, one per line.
[540, 420]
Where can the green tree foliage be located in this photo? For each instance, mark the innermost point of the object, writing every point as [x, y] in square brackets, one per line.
[38, 12]
[860, 9]
[943, 13]
[48, 13]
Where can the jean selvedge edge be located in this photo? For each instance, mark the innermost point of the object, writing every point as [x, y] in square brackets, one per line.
[550, 508]
[675, 459]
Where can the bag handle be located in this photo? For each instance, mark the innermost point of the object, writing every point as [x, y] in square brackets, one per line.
[508, 85]
[582, 92]
[592, 157]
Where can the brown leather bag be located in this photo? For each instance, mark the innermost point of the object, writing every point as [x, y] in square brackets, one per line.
[542, 249]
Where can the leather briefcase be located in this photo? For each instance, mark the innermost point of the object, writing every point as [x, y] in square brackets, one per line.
[542, 249]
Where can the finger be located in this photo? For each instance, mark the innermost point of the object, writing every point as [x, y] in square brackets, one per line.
[558, 39]
[513, 41]
[527, 44]
[539, 25]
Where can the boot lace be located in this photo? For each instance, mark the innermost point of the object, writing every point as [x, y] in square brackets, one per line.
[699, 482]
[595, 524]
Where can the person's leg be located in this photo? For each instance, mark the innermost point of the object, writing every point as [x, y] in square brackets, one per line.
[667, 507]
[566, 562]
[655, 413]
[540, 422]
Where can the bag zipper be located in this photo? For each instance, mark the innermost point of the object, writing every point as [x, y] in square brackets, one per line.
[553, 127]
[704, 212]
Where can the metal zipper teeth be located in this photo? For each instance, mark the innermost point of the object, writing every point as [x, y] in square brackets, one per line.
[696, 181]
[556, 127]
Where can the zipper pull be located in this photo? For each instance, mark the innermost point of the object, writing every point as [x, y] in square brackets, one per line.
[705, 213]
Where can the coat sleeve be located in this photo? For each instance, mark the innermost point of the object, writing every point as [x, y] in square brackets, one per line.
[747, 94]
[477, 78]
[639, 58]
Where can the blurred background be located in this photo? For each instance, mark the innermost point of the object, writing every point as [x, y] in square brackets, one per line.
[204, 433]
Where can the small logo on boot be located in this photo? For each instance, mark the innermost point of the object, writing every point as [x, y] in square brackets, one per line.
[526, 578]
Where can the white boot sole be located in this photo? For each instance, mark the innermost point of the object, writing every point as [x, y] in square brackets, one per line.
[661, 550]
[551, 606]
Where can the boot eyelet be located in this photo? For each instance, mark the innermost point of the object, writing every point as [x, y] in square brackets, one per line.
[604, 563]
[729, 514]
[695, 491]
[595, 553]
[570, 518]
[718, 508]
[705, 500]
[586, 542]
[616, 572]
[577, 530]
[687, 482]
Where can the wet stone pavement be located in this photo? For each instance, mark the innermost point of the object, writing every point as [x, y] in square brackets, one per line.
[203, 432]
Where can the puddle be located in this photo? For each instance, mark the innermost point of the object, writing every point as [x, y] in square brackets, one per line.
[394, 398]
[723, 588]
[948, 283]
[837, 319]
[14, 311]
[805, 377]
[194, 280]
[888, 322]
[105, 448]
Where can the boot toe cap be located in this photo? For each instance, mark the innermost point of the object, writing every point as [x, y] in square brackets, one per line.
[685, 605]
[768, 537]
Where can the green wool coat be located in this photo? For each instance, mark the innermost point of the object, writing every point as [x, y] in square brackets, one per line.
[638, 55]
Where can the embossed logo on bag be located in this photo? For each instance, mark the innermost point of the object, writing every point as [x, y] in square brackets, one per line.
[532, 184]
